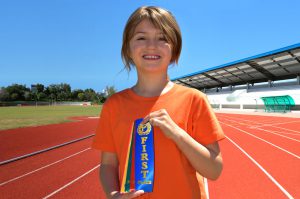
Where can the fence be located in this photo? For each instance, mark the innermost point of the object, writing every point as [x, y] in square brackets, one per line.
[41, 103]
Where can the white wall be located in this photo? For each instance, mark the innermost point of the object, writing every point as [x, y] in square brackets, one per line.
[253, 95]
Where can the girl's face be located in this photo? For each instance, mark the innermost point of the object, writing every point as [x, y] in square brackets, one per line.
[149, 48]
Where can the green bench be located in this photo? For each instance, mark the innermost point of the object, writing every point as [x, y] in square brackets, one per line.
[278, 103]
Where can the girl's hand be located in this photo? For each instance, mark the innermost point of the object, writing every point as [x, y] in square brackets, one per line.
[131, 194]
[162, 120]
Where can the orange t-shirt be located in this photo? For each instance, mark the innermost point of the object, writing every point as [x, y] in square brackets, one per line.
[174, 176]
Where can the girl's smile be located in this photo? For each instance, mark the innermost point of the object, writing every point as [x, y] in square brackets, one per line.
[151, 57]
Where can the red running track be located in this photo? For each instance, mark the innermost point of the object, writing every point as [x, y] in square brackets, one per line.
[260, 154]
[17, 142]
[276, 158]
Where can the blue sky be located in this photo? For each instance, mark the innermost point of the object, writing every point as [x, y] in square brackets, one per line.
[78, 41]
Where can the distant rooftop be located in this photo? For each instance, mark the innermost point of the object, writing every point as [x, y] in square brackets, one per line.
[280, 64]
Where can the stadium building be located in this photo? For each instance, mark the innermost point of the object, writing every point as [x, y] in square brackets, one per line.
[267, 82]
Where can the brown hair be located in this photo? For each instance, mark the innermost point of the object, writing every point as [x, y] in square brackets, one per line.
[161, 19]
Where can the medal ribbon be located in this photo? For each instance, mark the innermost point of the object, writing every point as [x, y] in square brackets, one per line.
[144, 156]
[140, 175]
[125, 186]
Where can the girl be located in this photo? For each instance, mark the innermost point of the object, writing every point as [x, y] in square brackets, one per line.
[186, 131]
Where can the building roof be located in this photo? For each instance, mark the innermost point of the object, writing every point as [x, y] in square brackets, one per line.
[280, 64]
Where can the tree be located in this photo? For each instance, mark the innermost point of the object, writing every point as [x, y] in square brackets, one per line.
[16, 92]
[106, 93]
[52, 91]
[15, 96]
[4, 95]
[41, 96]
[81, 96]
[90, 95]
[74, 94]
[40, 88]
[28, 96]
[110, 90]
[60, 91]
[101, 97]
[62, 96]
[38, 92]
[64, 92]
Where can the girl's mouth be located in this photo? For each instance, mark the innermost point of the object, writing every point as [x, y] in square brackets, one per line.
[151, 57]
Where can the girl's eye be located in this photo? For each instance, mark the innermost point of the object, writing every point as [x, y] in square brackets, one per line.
[141, 38]
[162, 39]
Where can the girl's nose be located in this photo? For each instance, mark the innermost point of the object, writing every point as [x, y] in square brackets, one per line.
[151, 43]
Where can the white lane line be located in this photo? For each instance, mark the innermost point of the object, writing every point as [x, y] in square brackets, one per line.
[278, 147]
[263, 124]
[93, 117]
[41, 168]
[268, 131]
[68, 184]
[298, 132]
[44, 150]
[272, 124]
[279, 134]
[263, 170]
[206, 187]
[242, 120]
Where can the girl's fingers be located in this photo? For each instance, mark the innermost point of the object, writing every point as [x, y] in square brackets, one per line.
[152, 121]
[134, 193]
[158, 121]
[128, 195]
[154, 114]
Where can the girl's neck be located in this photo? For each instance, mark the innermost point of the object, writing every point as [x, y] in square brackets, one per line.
[154, 85]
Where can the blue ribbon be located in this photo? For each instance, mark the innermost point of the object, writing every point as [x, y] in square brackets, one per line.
[144, 156]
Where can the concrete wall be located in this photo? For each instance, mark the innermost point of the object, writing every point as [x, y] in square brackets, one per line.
[251, 98]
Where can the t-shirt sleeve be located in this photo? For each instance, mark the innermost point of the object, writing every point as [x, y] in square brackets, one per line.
[206, 128]
[104, 136]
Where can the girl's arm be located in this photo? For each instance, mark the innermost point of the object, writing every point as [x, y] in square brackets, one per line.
[109, 173]
[206, 160]
[109, 177]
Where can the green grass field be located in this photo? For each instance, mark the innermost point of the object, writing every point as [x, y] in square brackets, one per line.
[15, 117]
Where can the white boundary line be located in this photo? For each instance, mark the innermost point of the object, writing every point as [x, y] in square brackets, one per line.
[41, 168]
[282, 129]
[263, 170]
[44, 150]
[242, 119]
[279, 134]
[278, 147]
[278, 131]
[271, 124]
[95, 117]
[68, 184]
[206, 187]
[262, 124]
[267, 131]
